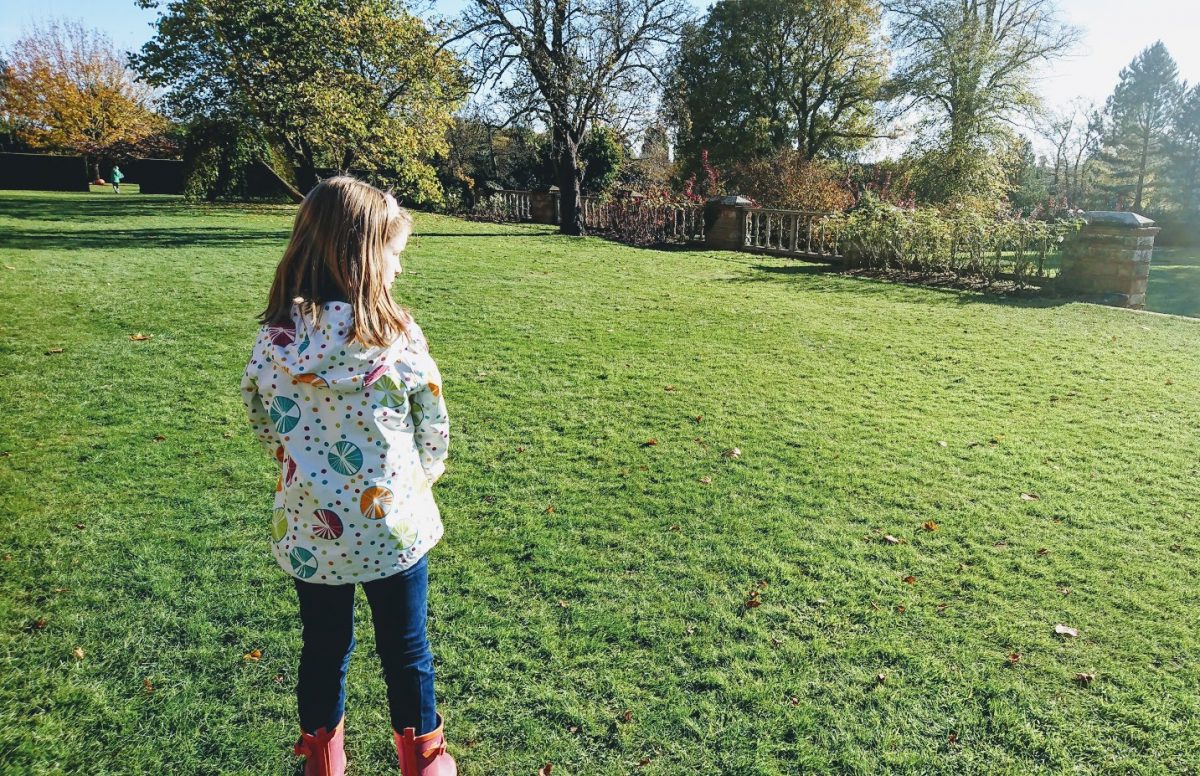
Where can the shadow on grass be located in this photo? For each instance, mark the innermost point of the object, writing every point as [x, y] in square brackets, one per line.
[104, 206]
[813, 277]
[107, 239]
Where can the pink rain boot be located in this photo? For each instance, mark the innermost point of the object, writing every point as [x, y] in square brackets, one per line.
[424, 755]
[323, 751]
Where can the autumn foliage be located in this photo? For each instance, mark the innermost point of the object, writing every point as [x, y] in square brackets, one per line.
[67, 89]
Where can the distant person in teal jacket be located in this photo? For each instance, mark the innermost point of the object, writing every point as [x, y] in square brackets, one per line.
[115, 176]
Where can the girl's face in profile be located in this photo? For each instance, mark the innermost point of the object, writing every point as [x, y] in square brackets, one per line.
[394, 248]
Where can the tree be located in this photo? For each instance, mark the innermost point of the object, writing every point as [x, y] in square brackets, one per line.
[758, 76]
[358, 84]
[602, 156]
[66, 89]
[1138, 119]
[1184, 153]
[969, 66]
[1073, 133]
[573, 63]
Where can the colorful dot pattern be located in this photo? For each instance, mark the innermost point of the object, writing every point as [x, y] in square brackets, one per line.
[360, 435]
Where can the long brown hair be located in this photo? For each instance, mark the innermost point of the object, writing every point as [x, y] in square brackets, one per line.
[337, 253]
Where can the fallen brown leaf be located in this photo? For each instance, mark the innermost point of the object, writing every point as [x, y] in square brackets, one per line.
[53, 351]
[1085, 679]
[78, 653]
[39, 624]
[901, 608]
[650, 443]
[668, 388]
[573, 729]
[642, 763]
[794, 700]
[1014, 658]
[159, 438]
[929, 525]
[698, 418]
[1064, 630]
[706, 480]
[676, 527]
[627, 716]
[1043, 551]
[942, 444]
[80, 526]
[563, 604]
[891, 539]
[952, 739]
[252, 656]
[550, 509]
[139, 337]
[881, 677]
[732, 452]
[753, 603]
[148, 686]
[910, 580]
[1030, 497]
[545, 770]
[1065, 590]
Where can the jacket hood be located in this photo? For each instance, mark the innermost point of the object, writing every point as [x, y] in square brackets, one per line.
[322, 354]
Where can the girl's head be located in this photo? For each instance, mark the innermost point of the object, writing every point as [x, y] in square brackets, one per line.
[345, 246]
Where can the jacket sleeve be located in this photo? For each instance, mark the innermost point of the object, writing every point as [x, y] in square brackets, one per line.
[431, 422]
[260, 420]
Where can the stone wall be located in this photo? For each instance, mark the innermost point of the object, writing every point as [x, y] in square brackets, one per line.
[1108, 260]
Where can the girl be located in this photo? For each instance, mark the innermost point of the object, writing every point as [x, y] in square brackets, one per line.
[342, 389]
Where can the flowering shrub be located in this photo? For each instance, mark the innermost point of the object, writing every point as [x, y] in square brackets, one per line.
[658, 217]
[788, 180]
[956, 240]
[700, 191]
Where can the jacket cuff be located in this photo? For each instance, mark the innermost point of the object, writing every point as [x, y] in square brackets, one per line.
[435, 470]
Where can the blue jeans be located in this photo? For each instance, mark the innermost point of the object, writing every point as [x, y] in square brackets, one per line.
[398, 609]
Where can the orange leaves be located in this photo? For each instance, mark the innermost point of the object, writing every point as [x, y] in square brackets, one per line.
[930, 526]
[652, 442]
[139, 337]
[545, 769]
[253, 656]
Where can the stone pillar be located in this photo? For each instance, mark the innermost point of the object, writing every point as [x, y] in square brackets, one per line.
[725, 222]
[1109, 258]
[543, 205]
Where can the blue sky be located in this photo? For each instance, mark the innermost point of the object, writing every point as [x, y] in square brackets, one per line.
[1114, 32]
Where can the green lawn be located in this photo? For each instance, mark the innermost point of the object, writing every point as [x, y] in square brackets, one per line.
[1175, 281]
[588, 604]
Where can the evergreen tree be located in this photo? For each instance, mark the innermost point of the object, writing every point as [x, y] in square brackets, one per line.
[1184, 151]
[1138, 119]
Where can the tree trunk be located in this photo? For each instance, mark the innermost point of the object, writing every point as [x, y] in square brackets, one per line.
[570, 184]
[292, 192]
[1141, 183]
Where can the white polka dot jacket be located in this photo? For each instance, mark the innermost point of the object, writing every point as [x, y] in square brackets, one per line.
[360, 435]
